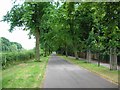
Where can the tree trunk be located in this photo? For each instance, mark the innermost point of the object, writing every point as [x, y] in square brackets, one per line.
[37, 53]
[95, 56]
[113, 59]
[66, 53]
[88, 56]
[45, 51]
[98, 59]
[75, 49]
[85, 55]
[49, 50]
[76, 54]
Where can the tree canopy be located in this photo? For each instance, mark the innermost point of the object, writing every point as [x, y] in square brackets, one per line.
[70, 27]
[8, 46]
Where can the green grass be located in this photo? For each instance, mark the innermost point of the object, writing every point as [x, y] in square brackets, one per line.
[0, 79]
[102, 71]
[25, 75]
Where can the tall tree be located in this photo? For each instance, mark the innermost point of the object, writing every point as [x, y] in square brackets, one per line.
[29, 15]
[112, 30]
[71, 21]
[84, 22]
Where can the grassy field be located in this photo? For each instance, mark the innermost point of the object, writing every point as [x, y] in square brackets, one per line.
[102, 71]
[25, 75]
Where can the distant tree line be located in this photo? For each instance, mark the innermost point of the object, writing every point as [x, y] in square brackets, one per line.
[8, 46]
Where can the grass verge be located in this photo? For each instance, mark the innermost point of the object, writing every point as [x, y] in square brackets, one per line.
[25, 75]
[101, 71]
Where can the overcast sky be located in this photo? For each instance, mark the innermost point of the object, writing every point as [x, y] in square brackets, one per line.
[18, 35]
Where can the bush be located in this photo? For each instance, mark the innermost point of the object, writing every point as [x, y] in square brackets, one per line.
[12, 57]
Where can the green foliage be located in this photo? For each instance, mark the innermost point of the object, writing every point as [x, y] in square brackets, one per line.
[111, 22]
[4, 43]
[18, 46]
[7, 46]
[80, 26]
[28, 15]
[14, 17]
[69, 26]
[10, 58]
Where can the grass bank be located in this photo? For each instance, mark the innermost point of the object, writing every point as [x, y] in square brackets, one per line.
[101, 71]
[25, 75]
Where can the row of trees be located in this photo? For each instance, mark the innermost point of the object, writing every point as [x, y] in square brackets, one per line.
[84, 27]
[70, 27]
[7, 46]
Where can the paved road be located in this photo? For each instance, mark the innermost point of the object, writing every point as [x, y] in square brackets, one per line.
[62, 74]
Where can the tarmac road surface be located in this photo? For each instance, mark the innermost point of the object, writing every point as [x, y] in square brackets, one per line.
[62, 74]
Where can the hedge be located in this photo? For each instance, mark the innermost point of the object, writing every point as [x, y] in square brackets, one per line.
[12, 57]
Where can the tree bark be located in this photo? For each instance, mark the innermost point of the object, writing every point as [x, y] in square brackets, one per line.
[76, 54]
[98, 56]
[113, 59]
[49, 50]
[95, 56]
[37, 53]
[45, 51]
[66, 53]
[75, 49]
[88, 56]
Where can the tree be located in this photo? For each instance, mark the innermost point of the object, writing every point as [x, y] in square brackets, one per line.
[28, 15]
[111, 32]
[84, 23]
[71, 21]
[18, 46]
[7, 46]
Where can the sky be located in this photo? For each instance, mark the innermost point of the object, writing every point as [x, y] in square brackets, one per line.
[17, 35]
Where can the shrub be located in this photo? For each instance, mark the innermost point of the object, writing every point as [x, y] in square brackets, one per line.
[12, 57]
